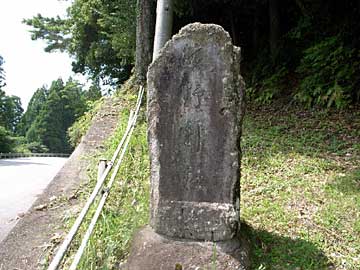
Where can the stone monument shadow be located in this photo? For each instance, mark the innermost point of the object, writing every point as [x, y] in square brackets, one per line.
[271, 250]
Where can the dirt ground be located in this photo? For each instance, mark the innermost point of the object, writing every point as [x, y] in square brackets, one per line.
[40, 228]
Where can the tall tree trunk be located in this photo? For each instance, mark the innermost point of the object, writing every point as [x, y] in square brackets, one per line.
[233, 27]
[164, 21]
[145, 28]
[303, 8]
[274, 30]
[256, 29]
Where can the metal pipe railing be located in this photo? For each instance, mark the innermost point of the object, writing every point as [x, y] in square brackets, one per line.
[70, 236]
[101, 204]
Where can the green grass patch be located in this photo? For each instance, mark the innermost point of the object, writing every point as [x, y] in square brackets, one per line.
[301, 188]
[300, 193]
[127, 206]
[82, 124]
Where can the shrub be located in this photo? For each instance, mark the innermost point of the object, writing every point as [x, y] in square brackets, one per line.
[37, 147]
[266, 90]
[327, 70]
[6, 141]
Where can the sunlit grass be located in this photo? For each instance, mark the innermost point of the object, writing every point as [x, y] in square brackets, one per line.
[301, 189]
[300, 193]
[127, 207]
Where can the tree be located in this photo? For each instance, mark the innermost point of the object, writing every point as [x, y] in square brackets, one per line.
[274, 24]
[99, 35]
[51, 112]
[50, 121]
[10, 106]
[94, 92]
[6, 141]
[34, 108]
[164, 23]
[10, 111]
[145, 27]
[276, 39]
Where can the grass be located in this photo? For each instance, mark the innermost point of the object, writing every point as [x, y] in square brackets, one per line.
[301, 188]
[82, 124]
[127, 205]
[300, 193]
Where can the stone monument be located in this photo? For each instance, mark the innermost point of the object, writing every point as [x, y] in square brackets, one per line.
[194, 116]
[195, 111]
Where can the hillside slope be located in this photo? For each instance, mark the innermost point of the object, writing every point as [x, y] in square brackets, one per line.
[25, 246]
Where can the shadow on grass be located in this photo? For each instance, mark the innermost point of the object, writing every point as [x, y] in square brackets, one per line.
[309, 134]
[272, 251]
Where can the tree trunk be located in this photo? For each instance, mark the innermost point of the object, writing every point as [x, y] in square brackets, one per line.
[256, 29]
[233, 27]
[274, 30]
[145, 27]
[164, 21]
[303, 8]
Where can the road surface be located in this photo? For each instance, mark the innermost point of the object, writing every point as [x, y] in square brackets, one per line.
[21, 180]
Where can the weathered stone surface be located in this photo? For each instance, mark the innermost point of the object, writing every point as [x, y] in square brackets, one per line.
[152, 251]
[195, 109]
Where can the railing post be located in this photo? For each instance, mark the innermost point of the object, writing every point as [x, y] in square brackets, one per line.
[101, 167]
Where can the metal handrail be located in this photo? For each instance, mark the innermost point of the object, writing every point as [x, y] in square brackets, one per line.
[70, 236]
[101, 204]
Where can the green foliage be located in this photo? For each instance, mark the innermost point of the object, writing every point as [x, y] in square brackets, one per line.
[328, 70]
[10, 111]
[6, 141]
[9, 143]
[12, 144]
[36, 147]
[51, 121]
[53, 30]
[182, 8]
[99, 35]
[127, 208]
[94, 93]
[50, 113]
[34, 108]
[10, 106]
[300, 196]
[323, 73]
[318, 48]
[268, 89]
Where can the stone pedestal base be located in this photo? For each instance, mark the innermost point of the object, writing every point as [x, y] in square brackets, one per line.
[196, 220]
[152, 251]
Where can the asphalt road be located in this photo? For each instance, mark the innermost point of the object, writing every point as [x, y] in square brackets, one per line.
[21, 180]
